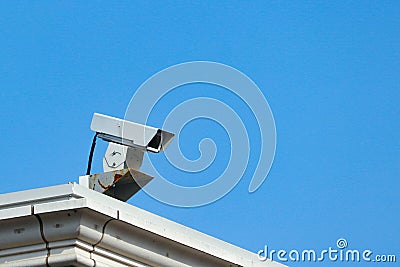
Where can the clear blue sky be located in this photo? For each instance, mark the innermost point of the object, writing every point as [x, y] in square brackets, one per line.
[330, 71]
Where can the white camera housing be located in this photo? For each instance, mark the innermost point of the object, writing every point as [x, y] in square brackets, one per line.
[127, 133]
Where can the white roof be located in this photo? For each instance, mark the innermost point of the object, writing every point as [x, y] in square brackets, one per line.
[72, 225]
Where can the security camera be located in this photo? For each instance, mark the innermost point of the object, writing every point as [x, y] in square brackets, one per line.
[127, 133]
[128, 141]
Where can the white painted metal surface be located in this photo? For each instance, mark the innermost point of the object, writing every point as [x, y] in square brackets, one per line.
[70, 225]
[119, 184]
[119, 157]
[129, 133]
